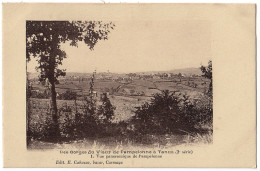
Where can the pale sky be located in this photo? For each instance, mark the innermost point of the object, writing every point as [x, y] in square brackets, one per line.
[136, 46]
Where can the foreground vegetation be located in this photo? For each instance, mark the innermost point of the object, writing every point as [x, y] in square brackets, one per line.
[168, 119]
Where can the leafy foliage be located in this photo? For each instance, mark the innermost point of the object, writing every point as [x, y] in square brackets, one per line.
[94, 121]
[169, 113]
[39, 95]
[43, 129]
[68, 95]
[106, 110]
[207, 73]
[160, 116]
[43, 39]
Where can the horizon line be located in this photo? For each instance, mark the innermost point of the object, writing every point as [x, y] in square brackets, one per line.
[126, 72]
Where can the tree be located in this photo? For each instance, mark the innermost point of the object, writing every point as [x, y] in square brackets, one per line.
[106, 110]
[207, 73]
[43, 39]
[90, 106]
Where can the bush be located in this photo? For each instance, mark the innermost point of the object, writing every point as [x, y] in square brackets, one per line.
[43, 129]
[106, 110]
[170, 113]
[68, 95]
[94, 121]
[40, 95]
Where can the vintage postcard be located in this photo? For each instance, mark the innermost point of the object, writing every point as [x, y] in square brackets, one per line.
[129, 85]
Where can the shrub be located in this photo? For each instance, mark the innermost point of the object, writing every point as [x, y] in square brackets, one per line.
[39, 94]
[94, 121]
[68, 95]
[106, 110]
[160, 116]
[43, 129]
[171, 113]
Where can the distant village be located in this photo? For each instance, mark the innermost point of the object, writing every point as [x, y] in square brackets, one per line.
[123, 78]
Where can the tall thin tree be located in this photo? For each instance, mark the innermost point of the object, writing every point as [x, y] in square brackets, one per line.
[43, 41]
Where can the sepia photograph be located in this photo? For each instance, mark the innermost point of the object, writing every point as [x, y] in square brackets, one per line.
[118, 84]
[139, 85]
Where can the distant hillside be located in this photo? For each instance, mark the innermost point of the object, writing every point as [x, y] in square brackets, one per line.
[187, 71]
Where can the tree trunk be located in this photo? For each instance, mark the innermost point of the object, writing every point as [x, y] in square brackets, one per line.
[54, 103]
[55, 133]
